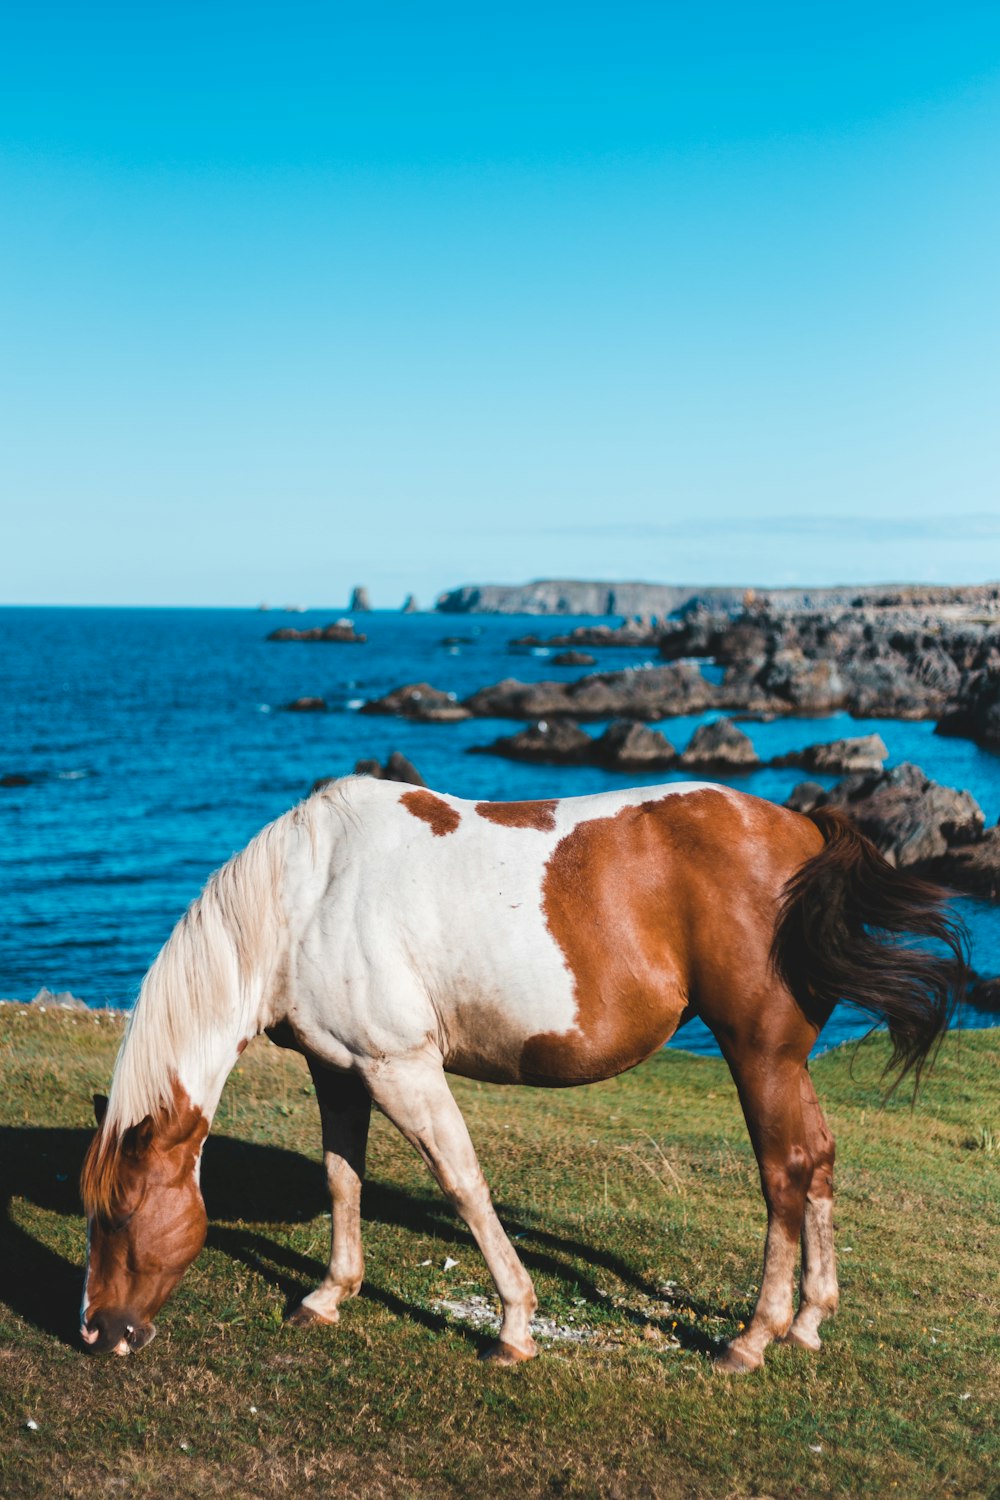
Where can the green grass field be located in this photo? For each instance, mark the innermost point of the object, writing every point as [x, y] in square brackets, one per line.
[637, 1210]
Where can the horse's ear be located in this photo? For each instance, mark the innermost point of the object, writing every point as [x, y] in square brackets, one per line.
[100, 1107]
[136, 1139]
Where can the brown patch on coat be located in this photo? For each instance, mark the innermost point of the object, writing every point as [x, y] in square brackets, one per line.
[520, 814]
[438, 815]
[147, 1218]
[666, 904]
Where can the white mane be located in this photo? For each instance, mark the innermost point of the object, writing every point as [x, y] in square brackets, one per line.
[207, 978]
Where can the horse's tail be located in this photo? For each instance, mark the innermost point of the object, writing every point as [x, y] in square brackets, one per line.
[852, 927]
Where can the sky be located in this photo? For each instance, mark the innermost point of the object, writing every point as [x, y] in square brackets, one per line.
[412, 295]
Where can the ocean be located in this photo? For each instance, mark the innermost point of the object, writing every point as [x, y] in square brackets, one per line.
[155, 745]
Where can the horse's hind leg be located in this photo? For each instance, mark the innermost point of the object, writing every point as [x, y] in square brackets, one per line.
[415, 1096]
[767, 1073]
[345, 1111]
[819, 1264]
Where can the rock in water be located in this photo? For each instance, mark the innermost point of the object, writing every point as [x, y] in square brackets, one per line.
[396, 768]
[340, 631]
[867, 752]
[975, 714]
[721, 747]
[914, 821]
[306, 706]
[627, 746]
[360, 603]
[559, 743]
[573, 659]
[418, 700]
[410, 605]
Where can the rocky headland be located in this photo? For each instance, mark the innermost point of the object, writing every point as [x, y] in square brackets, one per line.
[648, 601]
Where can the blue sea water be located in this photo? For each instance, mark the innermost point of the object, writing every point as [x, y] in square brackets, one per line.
[156, 745]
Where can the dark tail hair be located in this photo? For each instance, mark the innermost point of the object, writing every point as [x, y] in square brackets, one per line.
[842, 934]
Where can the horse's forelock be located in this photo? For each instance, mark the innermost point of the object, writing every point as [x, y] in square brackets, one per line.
[100, 1179]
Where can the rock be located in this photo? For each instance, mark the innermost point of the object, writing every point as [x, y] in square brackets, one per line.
[62, 1000]
[574, 659]
[720, 746]
[627, 746]
[560, 743]
[410, 605]
[360, 604]
[914, 821]
[340, 631]
[306, 706]
[418, 700]
[984, 994]
[458, 640]
[806, 797]
[396, 768]
[865, 753]
[975, 714]
[628, 633]
[972, 867]
[15, 778]
[650, 694]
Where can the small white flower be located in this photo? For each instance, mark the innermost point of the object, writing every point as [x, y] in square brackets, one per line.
[815, 1447]
[449, 1264]
[253, 1411]
[965, 1396]
[31, 1425]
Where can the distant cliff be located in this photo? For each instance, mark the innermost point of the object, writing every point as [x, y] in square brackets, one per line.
[566, 596]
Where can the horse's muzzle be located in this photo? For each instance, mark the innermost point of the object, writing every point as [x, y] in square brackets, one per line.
[115, 1333]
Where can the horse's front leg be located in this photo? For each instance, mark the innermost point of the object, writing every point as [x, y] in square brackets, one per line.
[415, 1096]
[345, 1111]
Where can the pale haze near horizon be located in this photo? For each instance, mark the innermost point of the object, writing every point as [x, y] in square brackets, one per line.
[293, 300]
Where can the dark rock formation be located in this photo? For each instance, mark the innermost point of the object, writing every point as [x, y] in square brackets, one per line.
[627, 746]
[560, 743]
[806, 796]
[984, 994]
[865, 753]
[898, 662]
[306, 706]
[918, 824]
[360, 603]
[418, 700]
[652, 694]
[341, 632]
[573, 659]
[15, 778]
[639, 633]
[396, 768]
[410, 607]
[720, 746]
[975, 713]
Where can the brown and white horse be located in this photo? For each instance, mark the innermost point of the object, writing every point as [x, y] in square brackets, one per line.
[394, 936]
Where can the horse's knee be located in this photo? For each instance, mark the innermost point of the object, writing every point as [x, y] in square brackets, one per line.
[787, 1180]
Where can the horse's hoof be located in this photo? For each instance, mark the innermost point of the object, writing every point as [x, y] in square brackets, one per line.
[799, 1340]
[303, 1315]
[506, 1354]
[733, 1361]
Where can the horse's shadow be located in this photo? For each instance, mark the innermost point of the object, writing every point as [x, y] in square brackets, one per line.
[248, 1184]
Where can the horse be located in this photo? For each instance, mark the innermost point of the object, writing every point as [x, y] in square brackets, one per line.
[395, 936]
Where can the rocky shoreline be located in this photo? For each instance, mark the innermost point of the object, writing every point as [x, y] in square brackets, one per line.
[897, 660]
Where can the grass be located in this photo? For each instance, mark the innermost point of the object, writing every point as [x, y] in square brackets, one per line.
[637, 1210]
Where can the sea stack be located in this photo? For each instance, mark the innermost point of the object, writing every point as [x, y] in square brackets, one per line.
[360, 603]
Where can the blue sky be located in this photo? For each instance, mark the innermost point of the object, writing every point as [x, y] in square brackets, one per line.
[412, 295]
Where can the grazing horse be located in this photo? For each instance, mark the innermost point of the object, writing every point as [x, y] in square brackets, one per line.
[395, 936]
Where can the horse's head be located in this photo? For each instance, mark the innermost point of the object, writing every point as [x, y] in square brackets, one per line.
[146, 1223]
